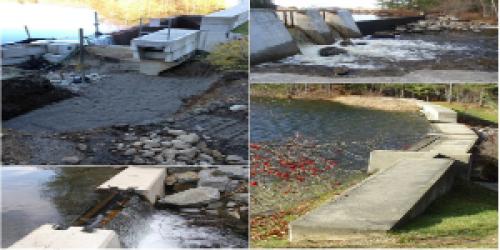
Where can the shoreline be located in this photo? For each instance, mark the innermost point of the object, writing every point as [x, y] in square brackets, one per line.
[393, 104]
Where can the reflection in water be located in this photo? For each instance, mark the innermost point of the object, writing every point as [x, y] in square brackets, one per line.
[350, 132]
[62, 18]
[35, 196]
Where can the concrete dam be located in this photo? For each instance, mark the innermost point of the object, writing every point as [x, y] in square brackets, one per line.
[321, 26]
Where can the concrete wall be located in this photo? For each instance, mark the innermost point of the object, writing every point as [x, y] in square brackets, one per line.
[269, 37]
[47, 237]
[216, 27]
[312, 23]
[343, 22]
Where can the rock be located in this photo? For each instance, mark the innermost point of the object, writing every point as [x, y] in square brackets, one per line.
[190, 210]
[341, 71]
[170, 120]
[190, 153]
[130, 137]
[194, 197]
[138, 160]
[170, 180]
[215, 205]
[148, 154]
[331, 51]
[148, 144]
[159, 159]
[81, 147]
[206, 158]
[234, 214]
[120, 146]
[217, 155]
[138, 144]
[238, 108]
[231, 204]
[178, 144]
[234, 172]
[166, 144]
[235, 160]
[346, 43]
[240, 197]
[207, 179]
[187, 177]
[130, 151]
[176, 132]
[361, 43]
[169, 154]
[189, 138]
[71, 160]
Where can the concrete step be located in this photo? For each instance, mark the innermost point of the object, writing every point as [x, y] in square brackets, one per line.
[146, 181]
[74, 237]
[380, 203]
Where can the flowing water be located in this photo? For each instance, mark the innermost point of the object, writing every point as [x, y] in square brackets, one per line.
[444, 50]
[350, 132]
[32, 196]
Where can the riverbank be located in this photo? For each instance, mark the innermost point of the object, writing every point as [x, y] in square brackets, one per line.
[370, 102]
[105, 115]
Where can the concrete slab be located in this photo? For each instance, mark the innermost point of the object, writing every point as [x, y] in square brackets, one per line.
[453, 129]
[175, 47]
[378, 204]
[154, 68]
[47, 237]
[382, 159]
[146, 181]
[311, 22]
[438, 113]
[270, 38]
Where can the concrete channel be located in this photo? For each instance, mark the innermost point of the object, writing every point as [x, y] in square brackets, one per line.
[402, 185]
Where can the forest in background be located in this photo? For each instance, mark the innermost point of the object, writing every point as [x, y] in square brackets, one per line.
[130, 11]
[483, 95]
[487, 8]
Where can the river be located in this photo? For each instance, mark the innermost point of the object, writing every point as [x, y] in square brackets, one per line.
[32, 196]
[352, 132]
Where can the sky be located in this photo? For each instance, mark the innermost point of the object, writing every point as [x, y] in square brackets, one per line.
[328, 3]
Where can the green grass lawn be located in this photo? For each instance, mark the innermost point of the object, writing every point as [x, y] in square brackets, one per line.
[242, 29]
[465, 217]
[475, 111]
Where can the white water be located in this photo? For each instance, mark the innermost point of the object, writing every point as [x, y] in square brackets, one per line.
[369, 56]
[167, 230]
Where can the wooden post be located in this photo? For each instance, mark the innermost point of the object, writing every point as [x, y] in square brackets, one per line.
[140, 26]
[169, 27]
[27, 31]
[291, 18]
[285, 18]
[450, 92]
[96, 24]
[80, 64]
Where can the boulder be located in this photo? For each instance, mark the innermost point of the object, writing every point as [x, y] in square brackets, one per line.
[331, 51]
[189, 138]
[207, 179]
[194, 197]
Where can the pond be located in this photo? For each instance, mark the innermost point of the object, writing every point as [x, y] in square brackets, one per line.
[59, 195]
[350, 132]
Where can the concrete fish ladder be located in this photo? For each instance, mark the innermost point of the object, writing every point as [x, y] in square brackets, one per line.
[403, 185]
[167, 48]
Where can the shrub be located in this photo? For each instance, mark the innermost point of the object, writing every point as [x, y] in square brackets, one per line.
[230, 56]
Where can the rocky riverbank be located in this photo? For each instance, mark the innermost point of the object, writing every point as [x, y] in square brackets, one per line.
[221, 191]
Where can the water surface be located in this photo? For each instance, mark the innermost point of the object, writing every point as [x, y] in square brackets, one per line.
[350, 131]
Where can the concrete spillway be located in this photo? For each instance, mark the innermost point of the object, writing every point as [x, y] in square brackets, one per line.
[403, 184]
[74, 237]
